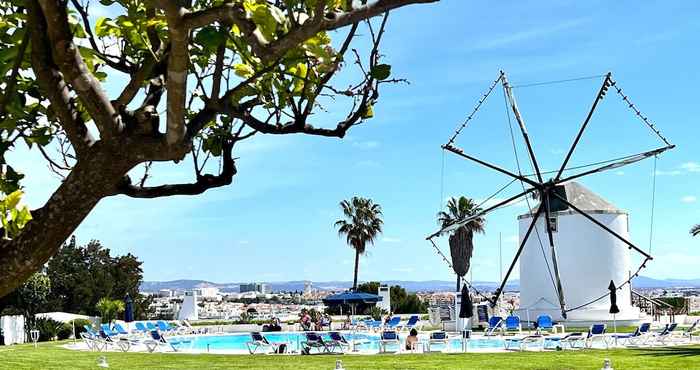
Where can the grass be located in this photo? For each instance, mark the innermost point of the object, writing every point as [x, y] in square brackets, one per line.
[52, 356]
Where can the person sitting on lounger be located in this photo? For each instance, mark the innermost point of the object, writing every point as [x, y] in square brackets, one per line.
[412, 340]
[305, 321]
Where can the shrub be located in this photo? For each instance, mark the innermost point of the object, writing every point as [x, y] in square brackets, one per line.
[48, 328]
[64, 331]
[79, 325]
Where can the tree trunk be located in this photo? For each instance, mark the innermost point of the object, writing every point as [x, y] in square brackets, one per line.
[88, 182]
[357, 266]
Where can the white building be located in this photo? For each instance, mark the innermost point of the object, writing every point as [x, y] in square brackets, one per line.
[588, 258]
[208, 292]
[255, 287]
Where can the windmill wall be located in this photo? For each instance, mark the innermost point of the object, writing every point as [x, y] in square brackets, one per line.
[589, 257]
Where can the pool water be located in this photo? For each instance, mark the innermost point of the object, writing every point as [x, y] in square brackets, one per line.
[364, 342]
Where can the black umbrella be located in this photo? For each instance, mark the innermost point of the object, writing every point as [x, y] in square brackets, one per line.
[613, 298]
[466, 309]
[128, 308]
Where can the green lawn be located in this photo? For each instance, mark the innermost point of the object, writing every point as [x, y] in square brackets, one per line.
[51, 356]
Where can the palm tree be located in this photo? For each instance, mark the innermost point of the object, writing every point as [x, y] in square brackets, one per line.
[361, 224]
[461, 243]
[695, 230]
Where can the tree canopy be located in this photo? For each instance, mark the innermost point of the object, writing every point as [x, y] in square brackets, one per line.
[76, 279]
[189, 81]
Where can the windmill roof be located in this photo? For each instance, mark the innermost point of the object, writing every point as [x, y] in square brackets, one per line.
[581, 197]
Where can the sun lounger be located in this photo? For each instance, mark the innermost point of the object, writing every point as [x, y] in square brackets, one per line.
[596, 333]
[495, 323]
[141, 328]
[337, 342]
[521, 343]
[639, 337]
[113, 341]
[688, 333]
[544, 322]
[411, 323]
[259, 342]
[108, 331]
[393, 322]
[388, 337]
[513, 323]
[151, 326]
[120, 329]
[314, 340]
[437, 338]
[92, 339]
[158, 341]
[665, 336]
[574, 340]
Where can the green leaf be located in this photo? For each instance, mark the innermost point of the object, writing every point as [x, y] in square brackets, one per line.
[380, 71]
[369, 112]
[209, 37]
[13, 199]
[243, 70]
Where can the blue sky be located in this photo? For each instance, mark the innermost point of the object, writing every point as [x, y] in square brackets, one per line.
[275, 221]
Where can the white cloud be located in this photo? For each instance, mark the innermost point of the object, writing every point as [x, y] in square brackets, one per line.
[669, 173]
[510, 38]
[691, 166]
[387, 239]
[371, 144]
[689, 199]
[620, 173]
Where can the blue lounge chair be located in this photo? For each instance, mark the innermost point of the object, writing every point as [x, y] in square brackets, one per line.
[688, 333]
[411, 323]
[313, 340]
[92, 339]
[141, 328]
[389, 337]
[337, 342]
[437, 338]
[665, 335]
[513, 323]
[151, 326]
[109, 332]
[158, 341]
[521, 343]
[596, 332]
[639, 337]
[165, 327]
[393, 322]
[258, 341]
[544, 322]
[123, 344]
[119, 329]
[572, 339]
[495, 323]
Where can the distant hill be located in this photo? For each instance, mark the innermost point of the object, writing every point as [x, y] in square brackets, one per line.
[411, 286]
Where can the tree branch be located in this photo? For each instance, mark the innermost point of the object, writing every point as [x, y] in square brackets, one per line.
[52, 85]
[74, 69]
[203, 183]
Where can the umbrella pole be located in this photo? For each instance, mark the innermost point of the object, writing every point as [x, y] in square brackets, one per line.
[615, 328]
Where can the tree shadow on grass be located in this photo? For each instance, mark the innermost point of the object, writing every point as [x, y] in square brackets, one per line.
[680, 351]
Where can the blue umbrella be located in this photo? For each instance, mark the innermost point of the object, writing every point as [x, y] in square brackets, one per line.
[128, 308]
[351, 298]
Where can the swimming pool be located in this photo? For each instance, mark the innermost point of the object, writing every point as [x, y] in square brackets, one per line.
[364, 342]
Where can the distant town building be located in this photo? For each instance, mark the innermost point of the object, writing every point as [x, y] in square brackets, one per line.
[255, 287]
[165, 293]
[308, 287]
[208, 292]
